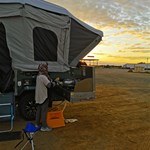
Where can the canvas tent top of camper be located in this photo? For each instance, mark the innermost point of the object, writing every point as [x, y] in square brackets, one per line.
[35, 31]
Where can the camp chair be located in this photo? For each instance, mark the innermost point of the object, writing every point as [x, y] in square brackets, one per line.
[29, 132]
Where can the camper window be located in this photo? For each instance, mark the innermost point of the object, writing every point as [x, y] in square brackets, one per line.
[45, 44]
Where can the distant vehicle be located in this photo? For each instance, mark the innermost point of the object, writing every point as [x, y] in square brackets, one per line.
[33, 32]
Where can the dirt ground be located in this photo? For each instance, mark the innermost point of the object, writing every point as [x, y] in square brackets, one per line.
[118, 119]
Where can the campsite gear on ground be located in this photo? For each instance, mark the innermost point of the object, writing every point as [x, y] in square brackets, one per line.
[7, 107]
[30, 130]
[55, 117]
[70, 120]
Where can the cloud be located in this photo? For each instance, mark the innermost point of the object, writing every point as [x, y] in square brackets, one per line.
[127, 57]
[130, 12]
[141, 51]
[135, 51]
[125, 24]
[100, 53]
[110, 12]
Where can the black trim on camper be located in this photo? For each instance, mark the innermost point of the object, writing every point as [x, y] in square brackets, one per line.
[6, 72]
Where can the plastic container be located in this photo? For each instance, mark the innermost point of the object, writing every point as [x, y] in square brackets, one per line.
[55, 117]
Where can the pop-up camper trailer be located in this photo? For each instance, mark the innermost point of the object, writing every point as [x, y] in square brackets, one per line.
[36, 31]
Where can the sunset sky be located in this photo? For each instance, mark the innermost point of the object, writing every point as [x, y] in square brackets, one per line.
[125, 24]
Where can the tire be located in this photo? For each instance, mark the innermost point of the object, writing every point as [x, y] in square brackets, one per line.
[27, 106]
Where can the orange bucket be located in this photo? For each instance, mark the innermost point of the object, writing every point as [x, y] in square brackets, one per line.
[55, 117]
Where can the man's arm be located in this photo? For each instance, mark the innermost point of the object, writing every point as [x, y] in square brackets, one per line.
[50, 84]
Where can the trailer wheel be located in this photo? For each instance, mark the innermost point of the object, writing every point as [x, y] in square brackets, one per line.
[27, 106]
